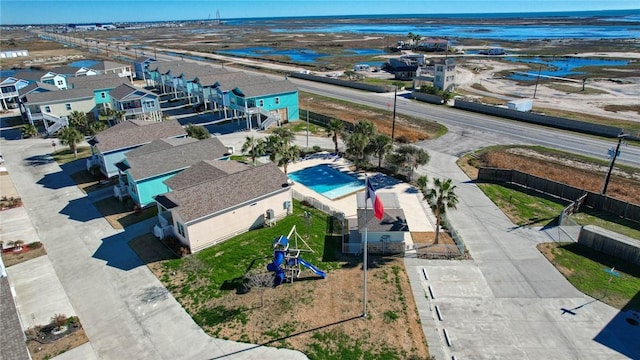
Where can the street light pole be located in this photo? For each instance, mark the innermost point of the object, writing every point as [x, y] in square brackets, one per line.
[308, 121]
[613, 160]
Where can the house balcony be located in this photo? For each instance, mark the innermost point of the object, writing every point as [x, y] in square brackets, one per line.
[8, 94]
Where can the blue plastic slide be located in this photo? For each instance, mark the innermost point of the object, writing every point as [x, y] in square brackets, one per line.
[317, 271]
[278, 258]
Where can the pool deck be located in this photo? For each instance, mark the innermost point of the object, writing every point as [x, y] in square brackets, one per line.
[418, 215]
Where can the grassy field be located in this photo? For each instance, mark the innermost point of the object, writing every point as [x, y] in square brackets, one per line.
[586, 270]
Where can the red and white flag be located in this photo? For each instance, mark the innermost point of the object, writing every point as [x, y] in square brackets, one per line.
[378, 207]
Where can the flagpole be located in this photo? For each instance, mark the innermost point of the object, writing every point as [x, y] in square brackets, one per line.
[364, 260]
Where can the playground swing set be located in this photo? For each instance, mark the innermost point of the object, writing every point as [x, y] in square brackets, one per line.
[287, 262]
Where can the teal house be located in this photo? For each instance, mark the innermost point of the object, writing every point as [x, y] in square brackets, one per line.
[143, 171]
[269, 103]
[101, 85]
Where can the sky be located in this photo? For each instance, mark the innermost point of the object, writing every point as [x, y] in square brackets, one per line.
[13, 12]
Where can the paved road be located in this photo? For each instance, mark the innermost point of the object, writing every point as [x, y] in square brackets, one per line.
[125, 310]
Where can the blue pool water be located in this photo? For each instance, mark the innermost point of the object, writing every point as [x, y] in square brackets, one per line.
[84, 63]
[327, 181]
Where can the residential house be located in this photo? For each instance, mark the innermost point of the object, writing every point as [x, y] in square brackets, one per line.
[136, 103]
[35, 87]
[386, 236]
[206, 206]
[277, 101]
[444, 74]
[109, 146]
[109, 67]
[9, 87]
[143, 171]
[69, 71]
[140, 68]
[54, 107]
[403, 68]
[101, 85]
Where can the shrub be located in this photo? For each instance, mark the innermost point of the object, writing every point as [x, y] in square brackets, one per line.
[34, 245]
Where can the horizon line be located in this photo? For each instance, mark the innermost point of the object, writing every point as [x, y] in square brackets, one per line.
[222, 20]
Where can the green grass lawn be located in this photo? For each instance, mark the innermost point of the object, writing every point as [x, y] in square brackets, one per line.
[523, 208]
[65, 155]
[586, 269]
[224, 265]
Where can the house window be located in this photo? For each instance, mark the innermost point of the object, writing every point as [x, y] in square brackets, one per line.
[60, 82]
[261, 103]
[149, 104]
[47, 109]
[180, 229]
[68, 106]
[103, 95]
[277, 100]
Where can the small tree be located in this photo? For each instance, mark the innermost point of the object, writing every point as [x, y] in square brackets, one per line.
[59, 320]
[409, 157]
[18, 244]
[72, 137]
[95, 127]
[443, 197]
[29, 130]
[197, 132]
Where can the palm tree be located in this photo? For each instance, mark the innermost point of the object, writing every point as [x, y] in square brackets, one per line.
[254, 147]
[95, 127]
[78, 120]
[380, 145]
[285, 134]
[286, 155]
[72, 137]
[365, 128]
[357, 146]
[334, 129]
[445, 198]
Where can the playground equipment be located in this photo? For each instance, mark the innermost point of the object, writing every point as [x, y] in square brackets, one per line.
[287, 261]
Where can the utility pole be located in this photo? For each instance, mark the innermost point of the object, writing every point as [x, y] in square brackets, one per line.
[621, 136]
[537, 80]
[393, 121]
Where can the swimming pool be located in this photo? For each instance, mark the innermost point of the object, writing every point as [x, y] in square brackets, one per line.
[327, 181]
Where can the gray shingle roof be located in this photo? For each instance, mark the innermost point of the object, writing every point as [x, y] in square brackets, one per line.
[36, 85]
[136, 132]
[158, 145]
[204, 171]
[58, 96]
[107, 65]
[95, 82]
[125, 90]
[171, 159]
[227, 192]
[227, 84]
[65, 70]
[269, 88]
[29, 75]
[393, 220]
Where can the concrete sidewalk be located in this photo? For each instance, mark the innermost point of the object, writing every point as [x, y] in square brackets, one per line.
[509, 301]
[106, 283]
